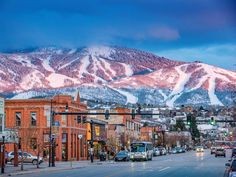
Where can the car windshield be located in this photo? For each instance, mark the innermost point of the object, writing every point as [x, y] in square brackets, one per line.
[199, 147]
[122, 153]
[137, 148]
[220, 149]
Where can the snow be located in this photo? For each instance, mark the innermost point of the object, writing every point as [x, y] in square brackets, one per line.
[108, 66]
[100, 51]
[179, 86]
[205, 127]
[58, 80]
[72, 51]
[211, 76]
[129, 97]
[31, 80]
[84, 64]
[128, 69]
[67, 64]
[211, 92]
[46, 64]
[163, 94]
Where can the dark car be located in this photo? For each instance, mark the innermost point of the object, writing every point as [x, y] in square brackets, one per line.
[220, 152]
[231, 169]
[102, 155]
[233, 152]
[122, 156]
[213, 150]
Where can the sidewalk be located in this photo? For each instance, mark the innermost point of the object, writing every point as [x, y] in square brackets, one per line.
[10, 170]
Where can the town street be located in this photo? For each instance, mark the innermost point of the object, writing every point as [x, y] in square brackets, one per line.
[190, 164]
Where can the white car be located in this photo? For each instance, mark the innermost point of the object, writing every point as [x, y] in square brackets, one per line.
[156, 152]
[199, 149]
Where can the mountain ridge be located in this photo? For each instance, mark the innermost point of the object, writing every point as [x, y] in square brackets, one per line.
[131, 73]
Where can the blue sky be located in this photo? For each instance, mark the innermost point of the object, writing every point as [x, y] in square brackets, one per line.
[186, 30]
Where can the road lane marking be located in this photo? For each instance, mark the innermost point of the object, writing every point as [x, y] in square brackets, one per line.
[164, 168]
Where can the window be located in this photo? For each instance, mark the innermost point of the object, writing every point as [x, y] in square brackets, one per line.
[64, 121]
[18, 119]
[33, 143]
[33, 118]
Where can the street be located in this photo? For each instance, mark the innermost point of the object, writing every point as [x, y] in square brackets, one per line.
[190, 164]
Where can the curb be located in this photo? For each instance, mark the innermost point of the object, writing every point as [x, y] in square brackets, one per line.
[40, 170]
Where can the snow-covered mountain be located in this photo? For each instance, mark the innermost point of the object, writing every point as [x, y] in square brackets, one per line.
[114, 74]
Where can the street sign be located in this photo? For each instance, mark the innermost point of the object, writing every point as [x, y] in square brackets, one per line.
[56, 123]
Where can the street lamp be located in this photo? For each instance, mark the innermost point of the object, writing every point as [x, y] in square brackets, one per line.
[91, 142]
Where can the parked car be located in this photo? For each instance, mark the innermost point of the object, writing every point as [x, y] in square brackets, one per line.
[174, 151]
[179, 149]
[231, 169]
[233, 152]
[122, 156]
[103, 155]
[162, 150]
[213, 150]
[220, 152]
[156, 152]
[28, 158]
[199, 149]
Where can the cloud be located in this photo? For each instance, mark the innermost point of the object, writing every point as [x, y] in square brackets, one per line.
[164, 33]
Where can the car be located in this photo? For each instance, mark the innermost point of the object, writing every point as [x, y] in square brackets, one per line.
[220, 152]
[156, 152]
[179, 149]
[122, 156]
[233, 152]
[174, 151]
[199, 149]
[28, 158]
[231, 169]
[213, 150]
[162, 150]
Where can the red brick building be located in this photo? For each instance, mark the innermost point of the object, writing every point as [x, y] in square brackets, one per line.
[31, 118]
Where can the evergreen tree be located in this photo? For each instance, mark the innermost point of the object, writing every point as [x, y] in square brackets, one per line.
[180, 125]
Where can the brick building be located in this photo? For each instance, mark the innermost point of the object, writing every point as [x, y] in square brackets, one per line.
[122, 129]
[31, 118]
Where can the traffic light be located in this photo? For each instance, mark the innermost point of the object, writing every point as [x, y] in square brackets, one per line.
[189, 119]
[212, 121]
[225, 133]
[133, 114]
[107, 114]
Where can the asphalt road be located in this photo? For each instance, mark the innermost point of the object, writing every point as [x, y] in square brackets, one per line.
[190, 164]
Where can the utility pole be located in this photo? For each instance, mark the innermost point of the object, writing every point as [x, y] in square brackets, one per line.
[50, 138]
[3, 154]
[91, 142]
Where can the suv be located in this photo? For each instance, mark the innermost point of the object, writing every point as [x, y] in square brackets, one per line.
[231, 168]
[28, 158]
[233, 152]
[220, 152]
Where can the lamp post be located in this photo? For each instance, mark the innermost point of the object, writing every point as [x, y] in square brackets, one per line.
[50, 137]
[53, 141]
[91, 142]
[3, 153]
